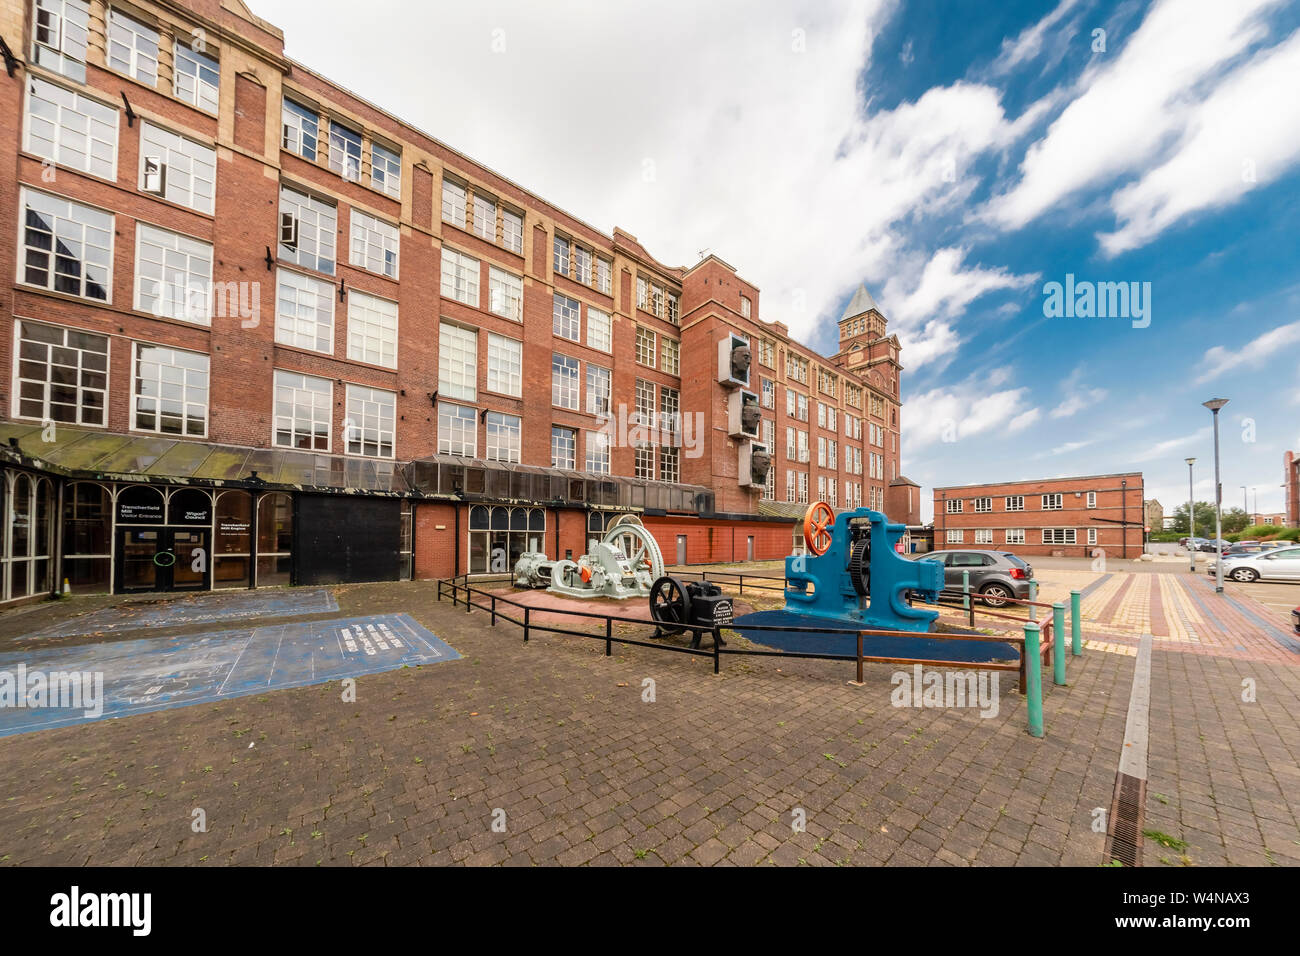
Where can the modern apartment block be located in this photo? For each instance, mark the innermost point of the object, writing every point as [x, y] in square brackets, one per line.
[262, 332]
[1056, 516]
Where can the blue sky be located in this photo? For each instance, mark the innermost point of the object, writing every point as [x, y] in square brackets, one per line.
[955, 157]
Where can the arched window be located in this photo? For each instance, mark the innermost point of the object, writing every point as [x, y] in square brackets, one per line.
[499, 535]
[87, 536]
[274, 540]
[232, 546]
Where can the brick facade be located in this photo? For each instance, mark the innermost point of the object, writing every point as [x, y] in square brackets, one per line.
[1095, 511]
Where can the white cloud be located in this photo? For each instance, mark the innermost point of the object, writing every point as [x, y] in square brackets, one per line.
[963, 411]
[1163, 448]
[1244, 135]
[763, 154]
[1029, 42]
[1257, 351]
[1129, 106]
[1078, 396]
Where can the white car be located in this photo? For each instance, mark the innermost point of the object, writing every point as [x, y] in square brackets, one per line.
[1279, 564]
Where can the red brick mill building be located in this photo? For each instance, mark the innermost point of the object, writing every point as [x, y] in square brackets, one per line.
[260, 332]
[1070, 517]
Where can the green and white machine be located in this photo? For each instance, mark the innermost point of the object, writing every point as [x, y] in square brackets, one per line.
[624, 564]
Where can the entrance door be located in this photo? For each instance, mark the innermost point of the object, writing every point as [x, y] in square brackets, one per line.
[681, 549]
[162, 559]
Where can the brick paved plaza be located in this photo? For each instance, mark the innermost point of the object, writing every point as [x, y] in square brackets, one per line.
[713, 771]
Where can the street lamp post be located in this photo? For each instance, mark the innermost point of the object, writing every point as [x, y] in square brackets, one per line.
[1191, 516]
[1214, 405]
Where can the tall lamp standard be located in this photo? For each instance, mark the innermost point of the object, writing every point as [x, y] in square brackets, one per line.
[1191, 516]
[1214, 405]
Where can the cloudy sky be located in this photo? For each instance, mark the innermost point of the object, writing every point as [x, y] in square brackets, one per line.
[955, 157]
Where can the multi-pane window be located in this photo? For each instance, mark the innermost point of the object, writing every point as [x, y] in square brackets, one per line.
[674, 308]
[604, 275]
[802, 409]
[954, 506]
[599, 333]
[197, 77]
[457, 430]
[307, 230]
[983, 535]
[457, 362]
[983, 505]
[370, 428]
[644, 463]
[173, 275]
[746, 306]
[67, 247]
[460, 275]
[642, 292]
[821, 415]
[453, 203]
[505, 365]
[1015, 536]
[60, 29]
[299, 129]
[505, 294]
[582, 265]
[645, 346]
[503, 437]
[670, 353]
[1053, 502]
[954, 536]
[670, 409]
[597, 462]
[564, 447]
[644, 397]
[1092, 535]
[303, 406]
[599, 382]
[560, 255]
[796, 368]
[179, 170]
[1092, 503]
[304, 312]
[62, 374]
[803, 487]
[830, 417]
[374, 245]
[132, 47]
[766, 353]
[821, 452]
[485, 217]
[169, 394]
[566, 324]
[345, 152]
[372, 329]
[1060, 536]
[1015, 502]
[512, 231]
[789, 486]
[832, 453]
[70, 129]
[564, 381]
[769, 393]
[386, 170]
[670, 464]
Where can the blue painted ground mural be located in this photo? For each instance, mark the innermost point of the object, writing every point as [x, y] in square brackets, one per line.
[917, 647]
[72, 685]
[196, 609]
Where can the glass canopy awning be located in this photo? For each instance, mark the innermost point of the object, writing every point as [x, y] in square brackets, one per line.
[80, 453]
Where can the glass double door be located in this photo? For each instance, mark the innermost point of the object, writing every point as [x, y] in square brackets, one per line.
[162, 559]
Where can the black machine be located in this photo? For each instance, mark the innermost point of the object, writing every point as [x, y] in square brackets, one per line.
[696, 606]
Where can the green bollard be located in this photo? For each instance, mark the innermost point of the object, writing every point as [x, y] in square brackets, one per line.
[1076, 627]
[1058, 643]
[1033, 680]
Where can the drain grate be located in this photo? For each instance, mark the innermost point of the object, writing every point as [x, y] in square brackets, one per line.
[1124, 833]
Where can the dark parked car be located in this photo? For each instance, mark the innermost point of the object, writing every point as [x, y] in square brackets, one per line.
[994, 575]
[1210, 545]
[1295, 619]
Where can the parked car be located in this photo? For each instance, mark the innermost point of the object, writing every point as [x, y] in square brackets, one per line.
[1212, 545]
[1247, 547]
[1277, 564]
[994, 575]
[1195, 543]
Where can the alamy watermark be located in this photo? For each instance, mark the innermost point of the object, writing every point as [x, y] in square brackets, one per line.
[202, 302]
[946, 689]
[65, 690]
[1084, 299]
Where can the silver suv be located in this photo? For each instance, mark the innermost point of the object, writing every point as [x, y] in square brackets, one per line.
[994, 575]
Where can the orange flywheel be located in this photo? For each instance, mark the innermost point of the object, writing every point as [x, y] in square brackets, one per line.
[817, 527]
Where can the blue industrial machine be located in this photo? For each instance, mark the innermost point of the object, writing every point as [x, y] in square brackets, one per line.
[855, 573]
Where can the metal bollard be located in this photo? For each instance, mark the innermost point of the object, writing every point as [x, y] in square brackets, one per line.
[1058, 643]
[1033, 596]
[1033, 680]
[1076, 626]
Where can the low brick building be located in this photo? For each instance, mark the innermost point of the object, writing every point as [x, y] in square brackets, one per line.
[1070, 517]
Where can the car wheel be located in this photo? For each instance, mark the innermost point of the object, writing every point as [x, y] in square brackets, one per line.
[1245, 575]
[995, 595]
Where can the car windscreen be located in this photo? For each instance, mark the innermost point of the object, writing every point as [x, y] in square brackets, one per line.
[1014, 560]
